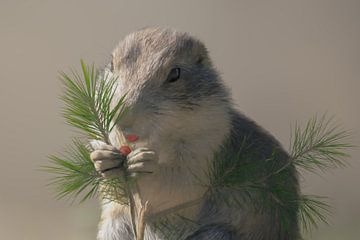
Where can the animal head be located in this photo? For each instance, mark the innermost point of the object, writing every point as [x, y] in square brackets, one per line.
[168, 79]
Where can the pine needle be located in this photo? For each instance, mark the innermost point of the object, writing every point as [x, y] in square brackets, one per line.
[88, 102]
[313, 210]
[321, 145]
[74, 172]
[88, 107]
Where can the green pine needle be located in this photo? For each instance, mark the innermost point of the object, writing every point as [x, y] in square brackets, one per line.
[313, 210]
[320, 145]
[88, 107]
[74, 172]
[88, 102]
[76, 177]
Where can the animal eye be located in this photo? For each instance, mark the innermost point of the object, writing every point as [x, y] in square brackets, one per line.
[173, 75]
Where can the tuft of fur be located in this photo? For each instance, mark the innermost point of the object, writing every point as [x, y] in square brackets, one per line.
[185, 122]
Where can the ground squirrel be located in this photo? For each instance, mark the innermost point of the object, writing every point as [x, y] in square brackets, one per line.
[182, 113]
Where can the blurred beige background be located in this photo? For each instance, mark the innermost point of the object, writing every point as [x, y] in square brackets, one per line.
[284, 60]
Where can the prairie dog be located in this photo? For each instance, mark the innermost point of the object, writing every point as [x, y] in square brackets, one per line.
[183, 114]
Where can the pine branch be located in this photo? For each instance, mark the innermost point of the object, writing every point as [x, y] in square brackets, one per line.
[320, 146]
[88, 101]
[88, 107]
[74, 172]
[312, 210]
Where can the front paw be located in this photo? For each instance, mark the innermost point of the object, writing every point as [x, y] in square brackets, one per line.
[108, 161]
[141, 161]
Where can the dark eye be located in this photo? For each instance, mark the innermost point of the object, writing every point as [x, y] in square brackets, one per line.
[173, 75]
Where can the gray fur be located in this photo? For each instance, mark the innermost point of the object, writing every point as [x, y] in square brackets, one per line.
[184, 122]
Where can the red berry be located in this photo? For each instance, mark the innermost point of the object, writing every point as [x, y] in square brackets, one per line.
[132, 137]
[125, 150]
